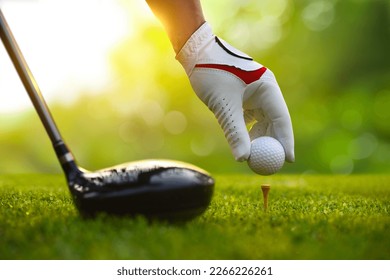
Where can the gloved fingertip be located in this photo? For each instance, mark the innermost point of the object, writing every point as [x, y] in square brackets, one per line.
[290, 157]
[242, 154]
[242, 158]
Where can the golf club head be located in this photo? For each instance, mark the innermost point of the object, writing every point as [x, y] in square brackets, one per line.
[155, 189]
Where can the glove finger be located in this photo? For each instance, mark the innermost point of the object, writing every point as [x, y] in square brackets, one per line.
[224, 99]
[269, 101]
[229, 113]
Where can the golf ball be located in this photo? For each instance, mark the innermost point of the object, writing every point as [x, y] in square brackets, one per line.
[267, 155]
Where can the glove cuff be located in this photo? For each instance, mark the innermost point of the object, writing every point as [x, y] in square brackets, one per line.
[188, 54]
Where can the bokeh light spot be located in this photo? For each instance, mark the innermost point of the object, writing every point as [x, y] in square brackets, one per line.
[203, 147]
[151, 112]
[341, 165]
[175, 122]
[318, 15]
[363, 146]
[275, 8]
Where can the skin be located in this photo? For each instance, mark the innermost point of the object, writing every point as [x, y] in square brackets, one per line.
[180, 18]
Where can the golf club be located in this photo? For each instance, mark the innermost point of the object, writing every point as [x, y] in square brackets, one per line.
[156, 189]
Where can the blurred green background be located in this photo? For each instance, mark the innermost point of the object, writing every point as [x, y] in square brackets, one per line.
[331, 59]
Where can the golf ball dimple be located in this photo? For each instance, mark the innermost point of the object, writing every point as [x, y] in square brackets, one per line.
[267, 155]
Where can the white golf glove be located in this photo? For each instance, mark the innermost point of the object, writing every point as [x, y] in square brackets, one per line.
[238, 90]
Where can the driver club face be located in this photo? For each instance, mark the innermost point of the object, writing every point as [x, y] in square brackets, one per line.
[155, 189]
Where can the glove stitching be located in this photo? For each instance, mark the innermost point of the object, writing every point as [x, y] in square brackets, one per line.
[188, 55]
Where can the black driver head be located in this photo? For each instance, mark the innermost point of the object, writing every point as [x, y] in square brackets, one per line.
[155, 189]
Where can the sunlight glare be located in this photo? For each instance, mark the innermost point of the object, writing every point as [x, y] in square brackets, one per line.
[66, 44]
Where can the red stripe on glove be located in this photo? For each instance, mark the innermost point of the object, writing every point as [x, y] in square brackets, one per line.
[246, 76]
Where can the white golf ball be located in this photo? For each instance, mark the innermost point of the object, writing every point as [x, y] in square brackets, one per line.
[267, 155]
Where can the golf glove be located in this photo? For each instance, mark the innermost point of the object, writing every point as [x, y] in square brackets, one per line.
[238, 90]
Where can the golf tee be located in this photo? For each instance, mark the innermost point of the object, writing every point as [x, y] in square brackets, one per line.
[265, 189]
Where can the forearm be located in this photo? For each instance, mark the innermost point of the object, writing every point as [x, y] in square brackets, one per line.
[181, 18]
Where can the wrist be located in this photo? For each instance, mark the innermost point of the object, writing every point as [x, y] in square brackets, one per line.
[181, 34]
[187, 55]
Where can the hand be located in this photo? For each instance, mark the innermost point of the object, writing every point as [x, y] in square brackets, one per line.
[238, 90]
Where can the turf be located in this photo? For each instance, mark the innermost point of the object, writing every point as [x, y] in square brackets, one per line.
[309, 217]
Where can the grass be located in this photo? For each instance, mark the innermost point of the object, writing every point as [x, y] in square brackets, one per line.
[309, 217]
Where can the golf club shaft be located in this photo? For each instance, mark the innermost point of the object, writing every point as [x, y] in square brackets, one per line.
[64, 155]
